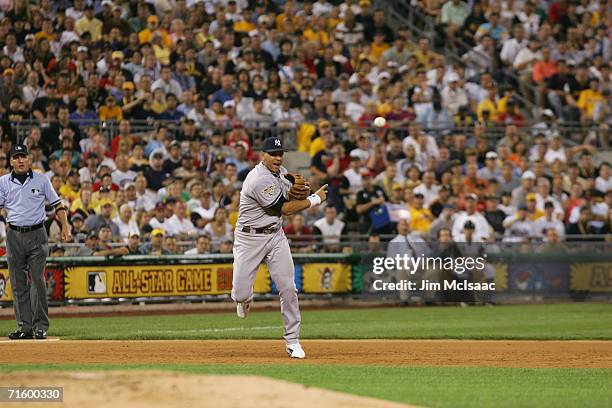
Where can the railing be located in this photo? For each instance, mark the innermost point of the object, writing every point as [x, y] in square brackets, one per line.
[354, 242]
[145, 128]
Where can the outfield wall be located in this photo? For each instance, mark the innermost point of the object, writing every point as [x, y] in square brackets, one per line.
[518, 276]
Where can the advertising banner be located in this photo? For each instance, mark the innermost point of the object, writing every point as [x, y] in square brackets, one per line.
[53, 277]
[326, 277]
[593, 277]
[154, 280]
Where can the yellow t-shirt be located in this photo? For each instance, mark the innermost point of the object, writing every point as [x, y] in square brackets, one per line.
[384, 108]
[107, 113]
[162, 54]
[317, 36]
[376, 51]
[316, 146]
[67, 192]
[304, 136]
[243, 26]
[487, 104]
[93, 26]
[537, 214]
[420, 220]
[587, 101]
[77, 204]
[146, 36]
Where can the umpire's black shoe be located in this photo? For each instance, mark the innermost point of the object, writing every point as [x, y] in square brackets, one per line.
[21, 335]
[40, 334]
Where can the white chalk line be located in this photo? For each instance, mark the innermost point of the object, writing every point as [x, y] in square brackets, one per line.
[29, 340]
[211, 330]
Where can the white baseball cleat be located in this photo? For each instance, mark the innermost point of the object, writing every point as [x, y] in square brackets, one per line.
[242, 309]
[295, 351]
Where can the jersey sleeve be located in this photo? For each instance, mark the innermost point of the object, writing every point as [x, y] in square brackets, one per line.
[3, 193]
[268, 193]
[50, 193]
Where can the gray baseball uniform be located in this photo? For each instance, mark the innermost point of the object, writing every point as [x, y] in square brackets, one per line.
[259, 237]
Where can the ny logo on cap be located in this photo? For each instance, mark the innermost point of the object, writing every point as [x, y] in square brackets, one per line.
[277, 142]
[18, 148]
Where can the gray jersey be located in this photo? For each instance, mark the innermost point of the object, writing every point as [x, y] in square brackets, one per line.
[261, 191]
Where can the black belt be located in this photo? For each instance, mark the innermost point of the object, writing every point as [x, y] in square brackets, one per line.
[26, 228]
[264, 230]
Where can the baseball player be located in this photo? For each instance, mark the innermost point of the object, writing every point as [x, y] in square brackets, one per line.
[268, 193]
[22, 199]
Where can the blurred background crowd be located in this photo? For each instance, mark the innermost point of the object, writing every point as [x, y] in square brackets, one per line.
[147, 115]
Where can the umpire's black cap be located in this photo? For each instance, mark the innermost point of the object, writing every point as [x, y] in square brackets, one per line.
[18, 149]
[272, 144]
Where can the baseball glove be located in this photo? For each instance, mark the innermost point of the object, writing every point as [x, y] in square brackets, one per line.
[300, 189]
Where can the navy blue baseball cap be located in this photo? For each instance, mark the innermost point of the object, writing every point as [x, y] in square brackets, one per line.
[272, 144]
[18, 149]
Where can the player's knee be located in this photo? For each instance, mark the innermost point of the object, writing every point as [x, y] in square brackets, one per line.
[241, 295]
[287, 290]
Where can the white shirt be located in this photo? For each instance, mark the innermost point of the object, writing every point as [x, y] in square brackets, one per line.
[331, 232]
[122, 177]
[540, 201]
[603, 185]
[175, 225]
[171, 86]
[354, 110]
[429, 194]
[355, 180]
[523, 56]
[511, 49]
[519, 231]
[319, 8]
[453, 99]
[126, 227]
[431, 147]
[542, 224]
[480, 222]
[146, 201]
[552, 155]
[207, 214]
[15, 56]
[363, 155]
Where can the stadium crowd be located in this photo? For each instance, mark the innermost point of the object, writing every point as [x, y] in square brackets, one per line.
[146, 116]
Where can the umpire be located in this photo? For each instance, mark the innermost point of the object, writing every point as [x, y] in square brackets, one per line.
[22, 201]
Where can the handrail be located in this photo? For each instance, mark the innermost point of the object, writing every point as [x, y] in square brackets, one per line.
[493, 131]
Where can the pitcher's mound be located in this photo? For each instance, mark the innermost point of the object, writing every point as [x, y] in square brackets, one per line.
[147, 389]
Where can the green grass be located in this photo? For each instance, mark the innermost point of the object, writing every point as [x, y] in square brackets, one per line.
[427, 386]
[563, 321]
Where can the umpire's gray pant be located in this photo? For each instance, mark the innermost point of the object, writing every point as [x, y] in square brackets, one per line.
[27, 252]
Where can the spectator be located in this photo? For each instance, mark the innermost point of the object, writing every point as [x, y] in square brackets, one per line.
[453, 15]
[519, 227]
[549, 221]
[482, 227]
[219, 229]
[179, 224]
[300, 234]
[202, 246]
[156, 245]
[125, 223]
[370, 200]
[133, 245]
[96, 221]
[331, 230]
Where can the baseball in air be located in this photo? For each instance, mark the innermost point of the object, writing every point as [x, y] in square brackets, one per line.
[380, 122]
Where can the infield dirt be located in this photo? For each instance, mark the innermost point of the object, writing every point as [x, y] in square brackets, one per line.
[164, 389]
[467, 353]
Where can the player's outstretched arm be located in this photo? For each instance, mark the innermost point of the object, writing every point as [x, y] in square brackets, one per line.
[295, 206]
